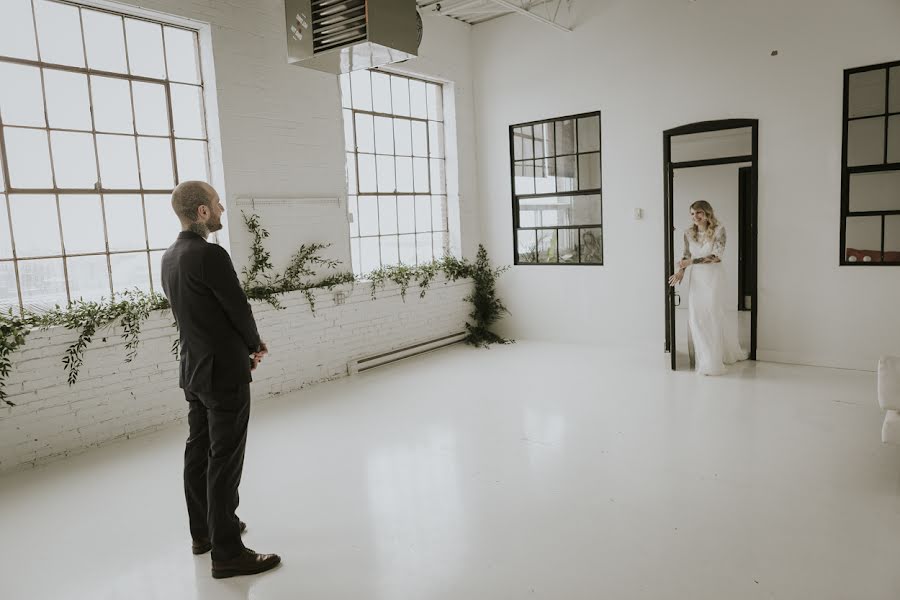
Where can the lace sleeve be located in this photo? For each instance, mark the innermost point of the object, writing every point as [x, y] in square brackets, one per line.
[718, 247]
[687, 247]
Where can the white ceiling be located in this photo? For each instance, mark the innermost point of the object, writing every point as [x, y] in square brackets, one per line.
[556, 13]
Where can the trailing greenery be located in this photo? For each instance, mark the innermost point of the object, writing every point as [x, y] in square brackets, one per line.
[132, 308]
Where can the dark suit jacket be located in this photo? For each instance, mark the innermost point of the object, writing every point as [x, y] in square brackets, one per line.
[215, 322]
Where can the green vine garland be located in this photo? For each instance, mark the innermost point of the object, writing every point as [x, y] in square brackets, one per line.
[133, 307]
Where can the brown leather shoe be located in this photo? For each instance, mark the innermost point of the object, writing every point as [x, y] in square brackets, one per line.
[203, 545]
[246, 563]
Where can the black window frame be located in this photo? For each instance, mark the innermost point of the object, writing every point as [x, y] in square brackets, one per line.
[884, 167]
[596, 191]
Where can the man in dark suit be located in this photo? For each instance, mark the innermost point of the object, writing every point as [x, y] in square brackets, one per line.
[220, 346]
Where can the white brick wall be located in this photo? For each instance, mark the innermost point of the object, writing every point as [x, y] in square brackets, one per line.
[114, 400]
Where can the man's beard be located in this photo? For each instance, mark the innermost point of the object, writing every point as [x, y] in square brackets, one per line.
[204, 229]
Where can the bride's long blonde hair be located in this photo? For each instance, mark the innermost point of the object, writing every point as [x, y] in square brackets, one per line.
[712, 221]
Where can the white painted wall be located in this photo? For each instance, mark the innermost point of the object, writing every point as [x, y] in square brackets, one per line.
[658, 64]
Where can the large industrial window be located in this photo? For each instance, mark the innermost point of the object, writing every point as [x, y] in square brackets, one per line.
[101, 115]
[396, 172]
[556, 195]
[870, 183]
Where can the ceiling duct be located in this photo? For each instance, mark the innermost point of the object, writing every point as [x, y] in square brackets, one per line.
[339, 36]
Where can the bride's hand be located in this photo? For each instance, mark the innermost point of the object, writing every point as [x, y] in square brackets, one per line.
[676, 278]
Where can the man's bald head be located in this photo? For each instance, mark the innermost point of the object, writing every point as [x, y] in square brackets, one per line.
[188, 197]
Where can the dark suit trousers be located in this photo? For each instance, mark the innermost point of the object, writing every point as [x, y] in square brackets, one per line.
[213, 463]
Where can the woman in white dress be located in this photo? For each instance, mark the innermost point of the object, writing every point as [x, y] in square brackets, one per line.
[714, 334]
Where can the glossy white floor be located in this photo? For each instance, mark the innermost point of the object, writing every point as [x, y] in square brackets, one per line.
[529, 471]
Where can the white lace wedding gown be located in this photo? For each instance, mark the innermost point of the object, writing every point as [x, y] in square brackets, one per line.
[711, 327]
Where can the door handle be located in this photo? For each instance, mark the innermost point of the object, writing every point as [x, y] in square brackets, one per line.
[677, 299]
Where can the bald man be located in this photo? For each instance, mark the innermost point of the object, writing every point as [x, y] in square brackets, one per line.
[220, 346]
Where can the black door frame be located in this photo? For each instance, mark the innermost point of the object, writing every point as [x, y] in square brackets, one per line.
[668, 218]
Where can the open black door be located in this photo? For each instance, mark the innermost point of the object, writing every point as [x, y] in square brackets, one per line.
[715, 161]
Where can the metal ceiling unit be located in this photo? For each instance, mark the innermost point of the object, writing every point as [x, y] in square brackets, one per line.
[339, 36]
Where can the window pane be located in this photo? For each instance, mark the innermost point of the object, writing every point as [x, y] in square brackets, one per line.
[543, 141]
[863, 239]
[387, 214]
[350, 166]
[354, 257]
[438, 204]
[420, 138]
[156, 270]
[181, 55]
[353, 209]
[589, 134]
[369, 255]
[156, 163]
[17, 31]
[82, 222]
[9, 291]
[368, 215]
[112, 105]
[390, 253]
[402, 137]
[405, 174]
[28, 158]
[544, 182]
[344, 81]
[384, 136]
[894, 100]
[407, 249]
[88, 277]
[437, 183]
[866, 93]
[865, 142]
[565, 137]
[566, 172]
[35, 225]
[349, 140]
[561, 210]
[424, 249]
[547, 245]
[436, 139]
[892, 238]
[592, 245]
[59, 33]
[68, 106]
[894, 139]
[523, 177]
[568, 245]
[5, 240]
[589, 171]
[21, 95]
[406, 215]
[361, 84]
[118, 162]
[367, 180]
[435, 102]
[439, 245]
[104, 37]
[418, 104]
[420, 175]
[43, 283]
[163, 225]
[423, 213]
[381, 93]
[193, 163]
[74, 161]
[875, 191]
[386, 174]
[124, 222]
[150, 111]
[145, 49]
[130, 271]
[187, 111]
[526, 135]
[365, 133]
[400, 95]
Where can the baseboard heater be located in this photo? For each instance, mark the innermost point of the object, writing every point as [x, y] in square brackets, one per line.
[370, 362]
